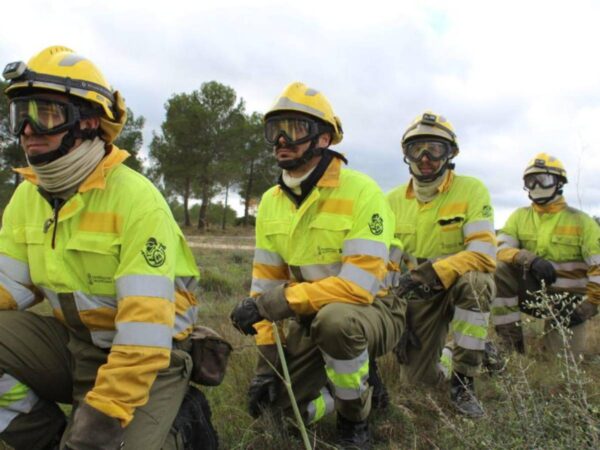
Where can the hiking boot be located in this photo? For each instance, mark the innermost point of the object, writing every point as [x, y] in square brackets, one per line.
[380, 399]
[462, 396]
[493, 360]
[352, 435]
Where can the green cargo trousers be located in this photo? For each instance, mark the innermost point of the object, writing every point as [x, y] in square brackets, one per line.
[56, 366]
[506, 312]
[464, 307]
[321, 354]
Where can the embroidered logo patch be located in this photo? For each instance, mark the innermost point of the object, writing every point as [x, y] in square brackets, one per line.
[154, 253]
[487, 211]
[376, 224]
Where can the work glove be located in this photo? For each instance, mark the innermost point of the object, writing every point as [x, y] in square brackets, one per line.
[244, 315]
[262, 392]
[273, 305]
[407, 339]
[584, 311]
[422, 280]
[543, 270]
[93, 430]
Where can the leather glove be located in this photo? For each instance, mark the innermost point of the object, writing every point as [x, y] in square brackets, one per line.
[273, 305]
[408, 339]
[94, 430]
[542, 269]
[583, 312]
[261, 393]
[423, 279]
[244, 315]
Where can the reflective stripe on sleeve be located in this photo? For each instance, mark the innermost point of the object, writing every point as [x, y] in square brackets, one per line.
[478, 227]
[186, 283]
[482, 247]
[15, 270]
[143, 334]
[568, 283]
[365, 247]
[15, 398]
[23, 296]
[266, 257]
[396, 255]
[570, 266]
[315, 272]
[86, 302]
[506, 240]
[145, 286]
[185, 320]
[470, 328]
[362, 278]
[260, 285]
[594, 279]
[103, 338]
[593, 260]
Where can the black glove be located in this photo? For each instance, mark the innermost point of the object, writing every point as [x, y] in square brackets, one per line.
[244, 315]
[584, 311]
[422, 280]
[261, 393]
[408, 339]
[406, 284]
[542, 269]
[93, 430]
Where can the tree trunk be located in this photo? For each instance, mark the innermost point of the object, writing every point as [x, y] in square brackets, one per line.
[202, 223]
[186, 197]
[224, 217]
[248, 193]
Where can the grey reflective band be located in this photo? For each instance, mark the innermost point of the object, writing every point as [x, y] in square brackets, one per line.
[479, 226]
[286, 103]
[86, 302]
[186, 283]
[506, 240]
[594, 279]
[477, 318]
[103, 338]
[351, 394]
[361, 277]
[468, 342]
[568, 283]
[23, 296]
[15, 270]
[593, 260]
[570, 266]
[346, 366]
[315, 272]
[482, 247]
[52, 297]
[503, 319]
[143, 334]
[396, 254]
[327, 402]
[185, 320]
[260, 285]
[24, 399]
[145, 286]
[266, 257]
[365, 247]
[505, 301]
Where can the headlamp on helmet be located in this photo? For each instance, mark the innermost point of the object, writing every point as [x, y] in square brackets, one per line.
[14, 70]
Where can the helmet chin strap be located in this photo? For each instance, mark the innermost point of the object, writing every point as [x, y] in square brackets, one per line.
[545, 199]
[66, 144]
[434, 176]
[296, 163]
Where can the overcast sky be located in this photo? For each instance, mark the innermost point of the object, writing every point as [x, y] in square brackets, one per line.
[514, 77]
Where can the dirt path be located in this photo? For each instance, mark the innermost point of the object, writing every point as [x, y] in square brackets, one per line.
[244, 243]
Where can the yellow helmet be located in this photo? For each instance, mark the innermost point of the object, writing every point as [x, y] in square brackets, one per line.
[431, 124]
[60, 69]
[299, 97]
[545, 163]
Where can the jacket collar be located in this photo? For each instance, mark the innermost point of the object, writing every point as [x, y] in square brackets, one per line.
[96, 179]
[550, 208]
[444, 187]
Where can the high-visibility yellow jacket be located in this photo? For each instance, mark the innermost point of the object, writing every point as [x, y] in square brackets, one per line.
[333, 248]
[455, 230]
[119, 274]
[567, 237]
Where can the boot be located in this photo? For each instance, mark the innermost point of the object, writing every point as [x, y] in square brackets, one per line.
[462, 396]
[494, 361]
[352, 435]
[380, 398]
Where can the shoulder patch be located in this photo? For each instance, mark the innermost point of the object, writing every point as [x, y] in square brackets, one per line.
[154, 253]
[376, 224]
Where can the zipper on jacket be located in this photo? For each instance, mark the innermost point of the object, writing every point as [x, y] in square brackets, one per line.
[56, 205]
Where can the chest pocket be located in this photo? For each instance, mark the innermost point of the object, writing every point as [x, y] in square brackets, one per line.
[567, 248]
[528, 241]
[407, 233]
[451, 233]
[276, 232]
[326, 237]
[93, 260]
[34, 239]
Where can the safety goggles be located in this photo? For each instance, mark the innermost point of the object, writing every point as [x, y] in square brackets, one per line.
[435, 150]
[294, 130]
[45, 116]
[544, 180]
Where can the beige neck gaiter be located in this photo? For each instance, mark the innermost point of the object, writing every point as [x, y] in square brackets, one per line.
[294, 183]
[69, 171]
[426, 191]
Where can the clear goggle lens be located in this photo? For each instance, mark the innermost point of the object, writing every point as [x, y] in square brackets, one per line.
[294, 130]
[43, 115]
[435, 150]
[544, 180]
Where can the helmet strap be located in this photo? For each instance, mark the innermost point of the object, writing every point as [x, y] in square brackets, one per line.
[427, 178]
[548, 198]
[310, 153]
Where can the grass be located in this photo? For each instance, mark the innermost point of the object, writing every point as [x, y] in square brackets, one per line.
[540, 402]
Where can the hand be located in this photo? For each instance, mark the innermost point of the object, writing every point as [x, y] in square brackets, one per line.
[422, 278]
[408, 339]
[262, 392]
[406, 284]
[542, 269]
[94, 430]
[244, 315]
[583, 312]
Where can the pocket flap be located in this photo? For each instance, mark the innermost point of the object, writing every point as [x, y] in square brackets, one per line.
[106, 245]
[331, 222]
[405, 228]
[565, 240]
[276, 227]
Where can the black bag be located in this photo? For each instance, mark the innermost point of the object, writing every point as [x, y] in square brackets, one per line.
[210, 353]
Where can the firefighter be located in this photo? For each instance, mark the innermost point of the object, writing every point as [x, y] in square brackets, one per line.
[445, 222]
[322, 241]
[99, 242]
[553, 243]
